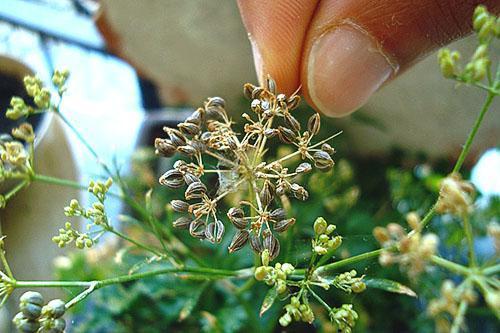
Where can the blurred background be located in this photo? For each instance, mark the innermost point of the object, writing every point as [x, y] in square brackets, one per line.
[138, 65]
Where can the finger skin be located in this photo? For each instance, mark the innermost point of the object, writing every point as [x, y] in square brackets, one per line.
[277, 30]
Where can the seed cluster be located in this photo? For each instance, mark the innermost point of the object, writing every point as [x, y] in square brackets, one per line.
[212, 147]
[34, 316]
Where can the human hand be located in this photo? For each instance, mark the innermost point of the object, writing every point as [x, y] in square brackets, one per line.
[341, 51]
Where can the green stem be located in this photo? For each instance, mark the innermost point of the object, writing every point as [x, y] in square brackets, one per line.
[472, 134]
[454, 267]
[204, 272]
[459, 318]
[59, 181]
[16, 189]
[345, 262]
[84, 142]
[319, 299]
[492, 270]
[428, 217]
[470, 241]
[136, 243]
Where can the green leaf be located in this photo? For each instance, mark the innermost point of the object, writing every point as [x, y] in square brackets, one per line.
[390, 286]
[268, 300]
[192, 301]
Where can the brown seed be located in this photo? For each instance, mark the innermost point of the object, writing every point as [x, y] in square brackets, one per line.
[182, 222]
[267, 193]
[248, 89]
[164, 147]
[299, 192]
[293, 102]
[303, 168]
[214, 231]
[277, 214]
[235, 212]
[271, 85]
[189, 128]
[283, 225]
[256, 243]
[196, 229]
[286, 135]
[271, 243]
[187, 150]
[196, 117]
[189, 178]
[195, 190]
[291, 122]
[322, 160]
[328, 149]
[271, 132]
[177, 138]
[217, 102]
[179, 206]
[314, 124]
[239, 240]
[172, 178]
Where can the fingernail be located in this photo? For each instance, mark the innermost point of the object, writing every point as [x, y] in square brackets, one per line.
[345, 68]
[257, 59]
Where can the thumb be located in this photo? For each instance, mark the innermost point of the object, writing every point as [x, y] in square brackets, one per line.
[354, 47]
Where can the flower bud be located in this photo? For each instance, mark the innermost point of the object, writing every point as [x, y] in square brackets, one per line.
[260, 273]
[320, 226]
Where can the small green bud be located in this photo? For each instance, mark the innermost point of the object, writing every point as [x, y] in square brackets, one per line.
[260, 273]
[285, 320]
[331, 228]
[281, 286]
[320, 226]
[358, 287]
[265, 257]
[287, 268]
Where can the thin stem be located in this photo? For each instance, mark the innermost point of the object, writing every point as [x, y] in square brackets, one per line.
[345, 262]
[492, 270]
[470, 241]
[319, 299]
[204, 272]
[450, 265]
[16, 189]
[84, 142]
[459, 318]
[82, 295]
[59, 181]
[472, 134]
[136, 243]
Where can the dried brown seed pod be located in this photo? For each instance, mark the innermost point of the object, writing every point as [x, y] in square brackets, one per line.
[195, 190]
[172, 178]
[205, 136]
[267, 193]
[286, 135]
[198, 145]
[239, 223]
[189, 128]
[177, 138]
[179, 206]
[293, 102]
[314, 124]
[217, 102]
[182, 222]
[214, 231]
[303, 168]
[322, 160]
[271, 132]
[271, 243]
[187, 150]
[271, 85]
[248, 89]
[196, 229]
[283, 225]
[291, 122]
[327, 148]
[255, 106]
[196, 117]
[235, 212]
[277, 214]
[299, 192]
[239, 240]
[164, 147]
[189, 178]
[256, 243]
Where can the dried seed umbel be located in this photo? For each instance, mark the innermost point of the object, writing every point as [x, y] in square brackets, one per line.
[206, 138]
